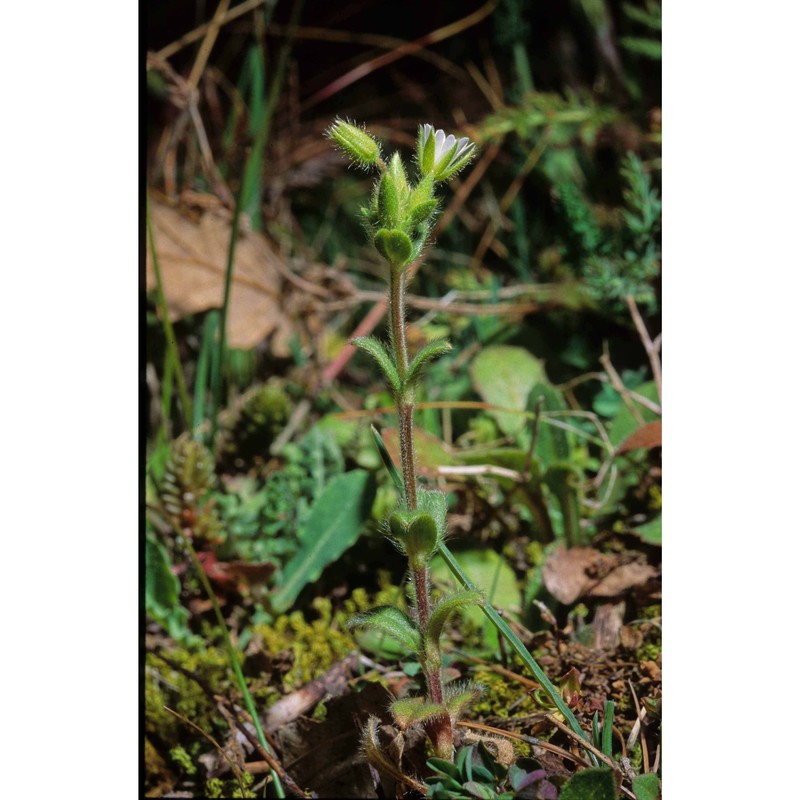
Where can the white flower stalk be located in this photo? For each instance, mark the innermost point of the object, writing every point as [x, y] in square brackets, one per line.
[441, 155]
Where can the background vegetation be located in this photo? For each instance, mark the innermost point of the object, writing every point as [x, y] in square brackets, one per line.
[543, 424]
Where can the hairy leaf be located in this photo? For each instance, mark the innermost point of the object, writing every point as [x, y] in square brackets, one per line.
[429, 352]
[415, 709]
[391, 621]
[442, 611]
[369, 344]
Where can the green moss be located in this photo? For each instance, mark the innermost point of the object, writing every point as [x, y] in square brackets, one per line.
[183, 760]
[165, 686]
[501, 698]
[230, 788]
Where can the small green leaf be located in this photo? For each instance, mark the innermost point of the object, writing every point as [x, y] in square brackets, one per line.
[650, 532]
[391, 621]
[480, 790]
[645, 787]
[442, 611]
[369, 344]
[608, 723]
[458, 697]
[333, 525]
[394, 246]
[590, 784]
[421, 212]
[415, 709]
[388, 202]
[433, 502]
[429, 352]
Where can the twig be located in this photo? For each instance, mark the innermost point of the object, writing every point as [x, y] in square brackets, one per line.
[650, 346]
[617, 383]
[274, 764]
[599, 753]
[234, 768]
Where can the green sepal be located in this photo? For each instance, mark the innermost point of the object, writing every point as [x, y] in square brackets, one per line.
[442, 611]
[432, 350]
[391, 621]
[388, 202]
[416, 534]
[369, 344]
[426, 150]
[355, 143]
[420, 213]
[394, 246]
[433, 502]
[459, 695]
[415, 709]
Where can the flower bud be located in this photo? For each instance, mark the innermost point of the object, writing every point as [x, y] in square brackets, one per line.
[355, 143]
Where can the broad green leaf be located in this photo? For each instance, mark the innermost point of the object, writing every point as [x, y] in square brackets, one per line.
[504, 376]
[333, 525]
[645, 787]
[590, 784]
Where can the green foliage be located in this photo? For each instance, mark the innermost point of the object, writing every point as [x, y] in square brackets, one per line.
[333, 525]
[646, 787]
[162, 590]
[391, 621]
[590, 784]
[504, 376]
[261, 414]
[622, 256]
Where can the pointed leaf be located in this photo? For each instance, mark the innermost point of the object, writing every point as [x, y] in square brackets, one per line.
[391, 621]
[333, 525]
[444, 610]
[415, 709]
[429, 352]
[369, 344]
[458, 697]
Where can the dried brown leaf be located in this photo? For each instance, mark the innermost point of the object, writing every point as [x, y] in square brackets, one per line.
[648, 436]
[623, 578]
[192, 257]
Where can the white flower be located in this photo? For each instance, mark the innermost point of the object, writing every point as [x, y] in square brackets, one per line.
[442, 155]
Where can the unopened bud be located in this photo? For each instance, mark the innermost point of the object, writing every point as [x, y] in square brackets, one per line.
[355, 143]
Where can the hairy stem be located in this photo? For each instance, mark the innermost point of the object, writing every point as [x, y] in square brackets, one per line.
[405, 404]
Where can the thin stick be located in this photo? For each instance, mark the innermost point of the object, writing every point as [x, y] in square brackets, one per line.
[213, 741]
[651, 348]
